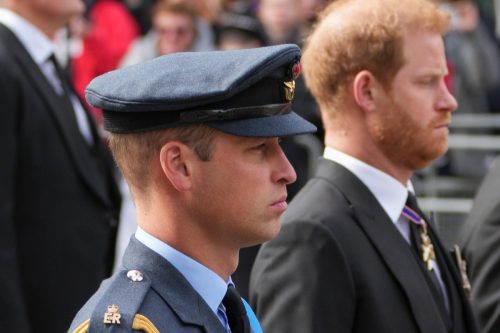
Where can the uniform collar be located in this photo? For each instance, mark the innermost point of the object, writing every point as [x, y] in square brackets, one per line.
[35, 41]
[207, 283]
[388, 191]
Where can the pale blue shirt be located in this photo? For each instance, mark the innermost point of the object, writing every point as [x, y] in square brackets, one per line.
[388, 191]
[210, 286]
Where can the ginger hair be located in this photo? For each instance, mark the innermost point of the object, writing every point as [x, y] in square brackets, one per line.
[356, 35]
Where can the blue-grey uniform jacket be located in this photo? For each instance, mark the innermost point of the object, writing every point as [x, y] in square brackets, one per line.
[146, 295]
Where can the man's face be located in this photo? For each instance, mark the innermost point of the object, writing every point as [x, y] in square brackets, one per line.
[279, 14]
[175, 32]
[57, 10]
[412, 127]
[239, 195]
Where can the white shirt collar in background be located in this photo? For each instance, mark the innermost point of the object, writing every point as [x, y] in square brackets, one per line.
[36, 42]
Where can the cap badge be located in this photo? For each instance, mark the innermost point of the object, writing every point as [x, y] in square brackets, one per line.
[290, 85]
[112, 316]
[289, 90]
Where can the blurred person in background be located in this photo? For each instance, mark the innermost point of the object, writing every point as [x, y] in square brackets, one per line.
[238, 31]
[281, 20]
[489, 13]
[59, 203]
[141, 11]
[104, 34]
[309, 10]
[474, 58]
[207, 12]
[173, 30]
[480, 242]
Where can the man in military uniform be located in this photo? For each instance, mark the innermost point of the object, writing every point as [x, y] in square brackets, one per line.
[196, 137]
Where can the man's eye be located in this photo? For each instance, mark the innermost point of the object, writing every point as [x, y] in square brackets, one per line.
[262, 146]
[428, 82]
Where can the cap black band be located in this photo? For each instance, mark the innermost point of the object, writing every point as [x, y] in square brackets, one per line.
[236, 113]
[133, 122]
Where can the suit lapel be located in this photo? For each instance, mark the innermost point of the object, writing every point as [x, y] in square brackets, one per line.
[169, 283]
[389, 243]
[62, 112]
[461, 314]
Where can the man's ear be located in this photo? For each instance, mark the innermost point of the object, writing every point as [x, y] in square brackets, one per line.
[364, 87]
[173, 158]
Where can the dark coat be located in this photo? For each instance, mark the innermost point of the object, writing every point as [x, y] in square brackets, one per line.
[481, 248]
[340, 265]
[58, 201]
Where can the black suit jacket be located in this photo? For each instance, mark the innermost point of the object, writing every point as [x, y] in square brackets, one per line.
[58, 201]
[481, 247]
[340, 265]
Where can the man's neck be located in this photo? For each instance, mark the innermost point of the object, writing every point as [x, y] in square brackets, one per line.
[369, 154]
[208, 250]
[47, 27]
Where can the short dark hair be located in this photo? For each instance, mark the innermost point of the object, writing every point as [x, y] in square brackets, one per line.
[134, 152]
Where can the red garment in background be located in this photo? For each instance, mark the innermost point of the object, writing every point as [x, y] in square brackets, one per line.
[112, 30]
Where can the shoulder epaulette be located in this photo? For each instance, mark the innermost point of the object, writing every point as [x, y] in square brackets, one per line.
[118, 305]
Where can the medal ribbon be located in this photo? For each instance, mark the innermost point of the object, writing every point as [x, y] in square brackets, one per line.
[413, 216]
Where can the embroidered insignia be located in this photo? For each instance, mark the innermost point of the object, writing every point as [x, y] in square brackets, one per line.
[427, 248]
[293, 73]
[112, 316]
[462, 266]
[289, 90]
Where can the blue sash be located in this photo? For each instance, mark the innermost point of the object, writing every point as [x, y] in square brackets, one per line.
[254, 323]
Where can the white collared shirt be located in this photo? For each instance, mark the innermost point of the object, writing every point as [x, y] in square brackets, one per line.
[211, 287]
[388, 191]
[40, 48]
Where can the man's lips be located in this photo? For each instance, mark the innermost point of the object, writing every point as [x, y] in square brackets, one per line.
[280, 204]
[445, 125]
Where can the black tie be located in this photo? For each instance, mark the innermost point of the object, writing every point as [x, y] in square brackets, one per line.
[235, 311]
[69, 97]
[63, 79]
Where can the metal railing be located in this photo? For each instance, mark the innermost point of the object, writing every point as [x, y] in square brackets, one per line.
[433, 185]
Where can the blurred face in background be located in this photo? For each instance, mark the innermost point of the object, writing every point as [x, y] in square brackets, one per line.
[48, 15]
[176, 32]
[279, 16]
[309, 9]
